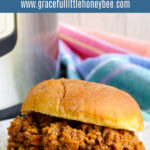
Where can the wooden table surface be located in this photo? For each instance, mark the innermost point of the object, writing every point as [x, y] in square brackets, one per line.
[132, 25]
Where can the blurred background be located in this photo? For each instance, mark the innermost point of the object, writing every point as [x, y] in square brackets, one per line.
[112, 49]
[132, 25]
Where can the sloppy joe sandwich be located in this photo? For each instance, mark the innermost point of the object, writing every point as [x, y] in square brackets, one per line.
[68, 114]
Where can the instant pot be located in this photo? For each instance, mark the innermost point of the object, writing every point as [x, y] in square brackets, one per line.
[28, 50]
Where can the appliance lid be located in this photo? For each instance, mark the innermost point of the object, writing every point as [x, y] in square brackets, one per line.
[8, 32]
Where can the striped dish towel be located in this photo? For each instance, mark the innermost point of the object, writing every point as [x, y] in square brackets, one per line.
[92, 59]
[85, 45]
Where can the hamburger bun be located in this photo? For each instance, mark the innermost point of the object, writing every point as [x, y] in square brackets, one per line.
[84, 101]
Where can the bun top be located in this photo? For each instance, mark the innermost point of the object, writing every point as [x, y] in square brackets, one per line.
[84, 101]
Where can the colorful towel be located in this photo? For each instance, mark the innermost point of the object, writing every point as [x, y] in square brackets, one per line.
[92, 59]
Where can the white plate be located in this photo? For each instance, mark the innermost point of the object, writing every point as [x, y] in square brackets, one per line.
[144, 136]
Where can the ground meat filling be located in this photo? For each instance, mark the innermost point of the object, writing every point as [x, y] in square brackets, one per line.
[42, 132]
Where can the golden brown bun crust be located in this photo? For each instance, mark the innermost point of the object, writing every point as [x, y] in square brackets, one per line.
[85, 101]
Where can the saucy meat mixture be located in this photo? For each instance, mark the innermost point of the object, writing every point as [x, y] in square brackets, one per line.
[42, 132]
